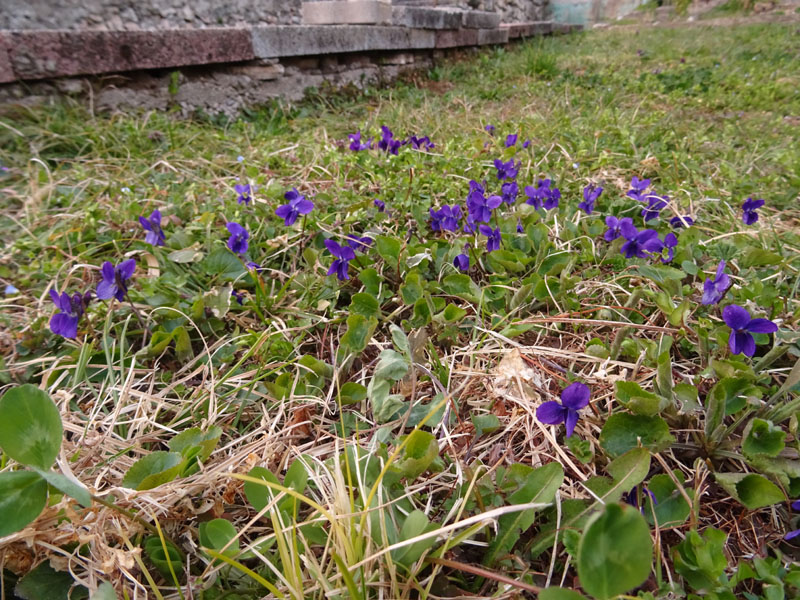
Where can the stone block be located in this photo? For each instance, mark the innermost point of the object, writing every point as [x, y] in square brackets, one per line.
[492, 36]
[479, 19]
[6, 71]
[43, 54]
[329, 39]
[523, 30]
[453, 38]
[344, 12]
[426, 18]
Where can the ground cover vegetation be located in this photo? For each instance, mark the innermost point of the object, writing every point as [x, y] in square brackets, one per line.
[522, 326]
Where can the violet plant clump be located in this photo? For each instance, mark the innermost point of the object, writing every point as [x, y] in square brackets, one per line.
[590, 195]
[749, 208]
[342, 255]
[65, 323]
[237, 242]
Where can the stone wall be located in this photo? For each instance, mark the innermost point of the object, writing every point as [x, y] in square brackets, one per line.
[133, 15]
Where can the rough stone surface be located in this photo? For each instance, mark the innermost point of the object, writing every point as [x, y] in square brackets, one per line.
[6, 71]
[426, 18]
[492, 36]
[131, 15]
[43, 54]
[330, 39]
[520, 11]
[453, 38]
[522, 30]
[479, 19]
[338, 12]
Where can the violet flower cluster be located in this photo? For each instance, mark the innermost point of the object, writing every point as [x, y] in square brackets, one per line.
[388, 143]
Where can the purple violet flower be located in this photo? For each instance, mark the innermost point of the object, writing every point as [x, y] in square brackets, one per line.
[509, 192]
[796, 532]
[615, 227]
[750, 216]
[343, 256]
[507, 170]
[446, 218]
[573, 398]
[670, 243]
[461, 262]
[632, 497]
[359, 244]
[423, 142]
[298, 205]
[387, 141]
[714, 289]
[490, 129]
[244, 193]
[640, 243]
[590, 195]
[469, 224]
[493, 243]
[519, 226]
[511, 140]
[742, 327]
[638, 186]
[152, 225]
[238, 296]
[655, 204]
[65, 323]
[380, 205]
[237, 243]
[526, 143]
[542, 195]
[356, 144]
[114, 283]
[479, 206]
[681, 221]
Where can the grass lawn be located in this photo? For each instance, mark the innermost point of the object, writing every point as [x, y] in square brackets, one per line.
[229, 421]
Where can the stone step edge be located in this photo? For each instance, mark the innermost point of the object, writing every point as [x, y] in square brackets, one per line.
[46, 54]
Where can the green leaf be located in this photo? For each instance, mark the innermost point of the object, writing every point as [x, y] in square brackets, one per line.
[418, 454]
[259, 495]
[422, 313]
[384, 404]
[661, 273]
[539, 487]
[105, 592]
[485, 424]
[400, 340]
[183, 343]
[365, 305]
[628, 470]
[623, 432]
[187, 255]
[154, 548]
[23, 496]
[67, 486]
[218, 301]
[664, 381]
[30, 426]
[762, 437]
[296, 478]
[224, 263]
[44, 582]
[159, 342]
[207, 440]
[635, 399]
[352, 393]
[153, 470]
[556, 593]
[462, 286]
[453, 313]
[389, 249]
[411, 290]
[701, 559]
[416, 523]
[758, 257]
[671, 507]
[751, 490]
[391, 365]
[371, 280]
[359, 332]
[687, 395]
[582, 449]
[615, 553]
[217, 534]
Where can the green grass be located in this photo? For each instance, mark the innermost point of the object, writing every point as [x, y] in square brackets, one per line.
[404, 399]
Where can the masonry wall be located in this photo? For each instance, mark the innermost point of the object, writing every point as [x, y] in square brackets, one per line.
[133, 15]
